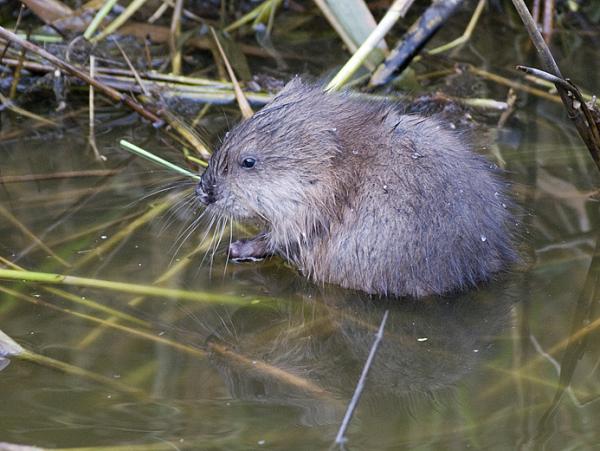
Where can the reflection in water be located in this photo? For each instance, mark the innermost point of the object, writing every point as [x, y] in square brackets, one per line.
[428, 347]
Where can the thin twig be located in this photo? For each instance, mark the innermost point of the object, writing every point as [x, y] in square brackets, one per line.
[513, 84]
[340, 439]
[159, 12]
[17, 75]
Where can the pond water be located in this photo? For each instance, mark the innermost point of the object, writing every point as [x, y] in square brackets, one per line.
[268, 360]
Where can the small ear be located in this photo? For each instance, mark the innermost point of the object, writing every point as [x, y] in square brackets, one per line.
[292, 87]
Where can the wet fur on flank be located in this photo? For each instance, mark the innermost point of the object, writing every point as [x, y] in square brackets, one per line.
[353, 192]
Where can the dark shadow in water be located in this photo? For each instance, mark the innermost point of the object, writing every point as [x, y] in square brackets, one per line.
[429, 345]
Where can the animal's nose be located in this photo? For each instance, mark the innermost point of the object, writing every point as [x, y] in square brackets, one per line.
[204, 193]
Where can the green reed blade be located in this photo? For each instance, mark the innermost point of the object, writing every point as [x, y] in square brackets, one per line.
[155, 159]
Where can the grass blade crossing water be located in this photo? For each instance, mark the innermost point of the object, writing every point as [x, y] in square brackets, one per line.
[123, 287]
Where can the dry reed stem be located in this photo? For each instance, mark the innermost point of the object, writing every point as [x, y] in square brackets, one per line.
[108, 91]
[245, 108]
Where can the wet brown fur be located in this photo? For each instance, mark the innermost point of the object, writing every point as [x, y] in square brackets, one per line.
[355, 193]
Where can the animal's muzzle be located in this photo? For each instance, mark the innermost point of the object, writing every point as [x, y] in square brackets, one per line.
[205, 192]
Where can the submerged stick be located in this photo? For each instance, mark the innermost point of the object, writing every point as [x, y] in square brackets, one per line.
[264, 368]
[340, 439]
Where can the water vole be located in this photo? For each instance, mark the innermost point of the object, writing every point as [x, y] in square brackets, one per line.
[355, 193]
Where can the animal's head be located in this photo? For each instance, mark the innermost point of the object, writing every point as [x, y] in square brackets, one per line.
[278, 164]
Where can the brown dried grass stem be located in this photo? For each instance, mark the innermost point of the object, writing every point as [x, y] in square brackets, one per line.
[76, 72]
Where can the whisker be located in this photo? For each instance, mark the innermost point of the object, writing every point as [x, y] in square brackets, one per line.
[183, 237]
[228, 246]
[162, 189]
[212, 240]
[212, 256]
[172, 213]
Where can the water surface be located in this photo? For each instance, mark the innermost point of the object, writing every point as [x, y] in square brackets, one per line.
[511, 365]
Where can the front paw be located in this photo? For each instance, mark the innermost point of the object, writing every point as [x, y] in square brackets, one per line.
[246, 251]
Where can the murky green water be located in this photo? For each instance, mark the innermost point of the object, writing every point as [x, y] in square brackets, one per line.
[512, 365]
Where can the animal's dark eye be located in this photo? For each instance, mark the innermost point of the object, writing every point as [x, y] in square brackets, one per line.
[248, 162]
